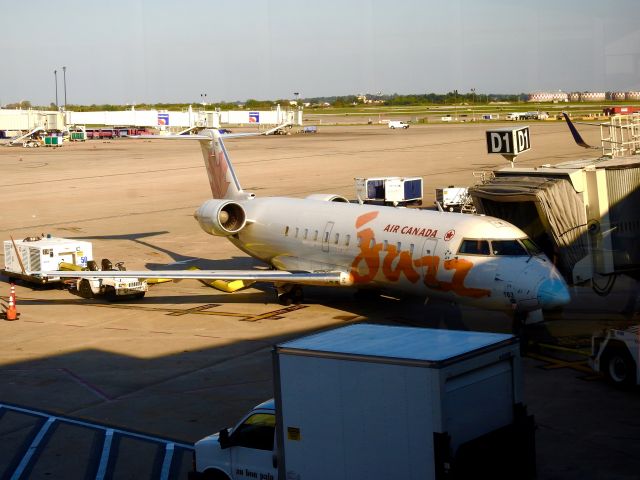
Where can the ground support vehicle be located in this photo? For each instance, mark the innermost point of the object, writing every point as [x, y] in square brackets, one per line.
[43, 253]
[616, 355]
[393, 124]
[452, 198]
[110, 288]
[380, 402]
[389, 190]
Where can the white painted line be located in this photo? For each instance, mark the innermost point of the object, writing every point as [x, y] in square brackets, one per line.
[106, 451]
[81, 423]
[32, 449]
[166, 464]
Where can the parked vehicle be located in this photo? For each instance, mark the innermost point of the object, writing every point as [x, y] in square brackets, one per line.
[615, 354]
[382, 402]
[393, 124]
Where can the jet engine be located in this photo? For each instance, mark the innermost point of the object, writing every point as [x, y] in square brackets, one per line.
[221, 217]
[327, 197]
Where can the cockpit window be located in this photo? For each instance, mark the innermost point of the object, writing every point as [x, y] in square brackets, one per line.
[474, 247]
[531, 247]
[507, 247]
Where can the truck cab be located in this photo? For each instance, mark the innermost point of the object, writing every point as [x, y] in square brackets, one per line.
[244, 451]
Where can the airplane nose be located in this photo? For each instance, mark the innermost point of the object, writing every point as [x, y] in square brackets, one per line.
[553, 293]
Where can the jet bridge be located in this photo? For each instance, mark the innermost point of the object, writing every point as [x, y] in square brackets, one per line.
[584, 214]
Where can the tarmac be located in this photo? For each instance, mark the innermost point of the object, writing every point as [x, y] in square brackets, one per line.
[188, 360]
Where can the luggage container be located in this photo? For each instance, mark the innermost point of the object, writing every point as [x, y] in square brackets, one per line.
[392, 190]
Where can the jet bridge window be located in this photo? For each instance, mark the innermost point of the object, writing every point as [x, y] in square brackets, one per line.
[474, 247]
[257, 432]
[508, 247]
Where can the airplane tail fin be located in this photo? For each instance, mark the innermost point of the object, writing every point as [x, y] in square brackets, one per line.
[222, 178]
[576, 135]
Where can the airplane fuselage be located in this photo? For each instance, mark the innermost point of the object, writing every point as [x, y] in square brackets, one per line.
[407, 250]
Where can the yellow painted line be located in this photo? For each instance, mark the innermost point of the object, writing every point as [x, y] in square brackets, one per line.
[554, 363]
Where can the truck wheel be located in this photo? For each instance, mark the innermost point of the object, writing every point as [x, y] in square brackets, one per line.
[84, 289]
[214, 475]
[139, 295]
[110, 293]
[618, 368]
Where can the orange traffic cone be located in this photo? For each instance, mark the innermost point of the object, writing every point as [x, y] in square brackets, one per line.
[12, 313]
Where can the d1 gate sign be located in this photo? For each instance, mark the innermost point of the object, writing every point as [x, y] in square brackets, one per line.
[508, 141]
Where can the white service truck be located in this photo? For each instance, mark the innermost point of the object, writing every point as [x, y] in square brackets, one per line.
[393, 124]
[383, 402]
[616, 354]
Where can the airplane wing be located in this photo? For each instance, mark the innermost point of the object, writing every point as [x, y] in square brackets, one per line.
[303, 278]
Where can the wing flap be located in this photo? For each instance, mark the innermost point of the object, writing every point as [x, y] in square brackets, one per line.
[303, 278]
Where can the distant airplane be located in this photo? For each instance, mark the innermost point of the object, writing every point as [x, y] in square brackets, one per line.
[325, 240]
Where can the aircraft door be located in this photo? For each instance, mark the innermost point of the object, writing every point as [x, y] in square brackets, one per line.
[430, 261]
[326, 236]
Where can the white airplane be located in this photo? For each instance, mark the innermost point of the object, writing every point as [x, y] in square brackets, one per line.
[325, 240]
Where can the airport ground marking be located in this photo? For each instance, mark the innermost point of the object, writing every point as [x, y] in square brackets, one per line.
[109, 432]
[205, 309]
[554, 364]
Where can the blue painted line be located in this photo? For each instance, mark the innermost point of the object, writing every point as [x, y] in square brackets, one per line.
[32, 449]
[104, 458]
[166, 464]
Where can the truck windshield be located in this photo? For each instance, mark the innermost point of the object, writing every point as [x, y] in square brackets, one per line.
[257, 432]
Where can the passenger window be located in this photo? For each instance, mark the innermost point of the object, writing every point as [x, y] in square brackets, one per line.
[297, 231]
[411, 247]
[399, 245]
[286, 231]
[306, 233]
[315, 236]
[347, 240]
[385, 245]
[257, 432]
[507, 247]
[359, 242]
[326, 237]
[474, 247]
[372, 242]
[337, 238]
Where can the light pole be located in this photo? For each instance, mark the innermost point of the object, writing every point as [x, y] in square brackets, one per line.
[203, 98]
[473, 103]
[64, 78]
[55, 75]
[295, 94]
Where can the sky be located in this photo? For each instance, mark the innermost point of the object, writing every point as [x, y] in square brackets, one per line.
[144, 51]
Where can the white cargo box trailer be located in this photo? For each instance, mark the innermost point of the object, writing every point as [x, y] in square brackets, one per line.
[43, 253]
[380, 402]
[395, 190]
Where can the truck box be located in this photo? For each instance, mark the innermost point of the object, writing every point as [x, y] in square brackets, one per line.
[43, 253]
[395, 190]
[381, 402]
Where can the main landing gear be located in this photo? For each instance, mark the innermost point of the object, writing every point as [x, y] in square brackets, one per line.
[288, 294]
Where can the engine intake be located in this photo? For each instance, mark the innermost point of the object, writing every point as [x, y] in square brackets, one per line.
[221, 217]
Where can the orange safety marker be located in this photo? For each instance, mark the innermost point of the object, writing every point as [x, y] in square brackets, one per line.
[11, 313]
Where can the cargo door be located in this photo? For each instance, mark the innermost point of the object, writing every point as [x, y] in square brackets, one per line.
[326, 236]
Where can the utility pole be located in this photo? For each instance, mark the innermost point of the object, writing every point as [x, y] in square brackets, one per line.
[64, 76]
[55, 75]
